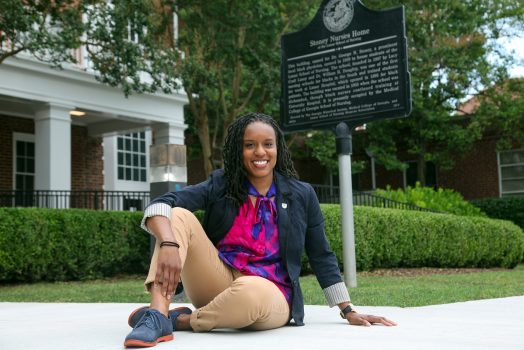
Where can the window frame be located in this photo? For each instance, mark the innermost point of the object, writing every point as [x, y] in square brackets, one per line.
[24, 137]
[131, 154]
[500, 166]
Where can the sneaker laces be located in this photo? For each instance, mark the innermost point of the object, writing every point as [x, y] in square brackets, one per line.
[149, 320]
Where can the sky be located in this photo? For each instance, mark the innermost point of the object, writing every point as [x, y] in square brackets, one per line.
[516, 45]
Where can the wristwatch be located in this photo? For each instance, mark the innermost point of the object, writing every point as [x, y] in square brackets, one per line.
[347, 310]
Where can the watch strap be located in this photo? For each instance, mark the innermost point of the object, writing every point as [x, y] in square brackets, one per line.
[347, 310]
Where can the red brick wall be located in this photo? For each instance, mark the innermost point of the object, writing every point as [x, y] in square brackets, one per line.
[475, 175]
[8, 125]
[87, 164]
[86, 154]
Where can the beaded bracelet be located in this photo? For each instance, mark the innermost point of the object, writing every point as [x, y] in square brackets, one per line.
[169, 244]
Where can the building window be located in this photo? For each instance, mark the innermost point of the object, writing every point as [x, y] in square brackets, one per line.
[511, 171]
[23, 168]
[410, 174]
[132, 157]
[24, 162]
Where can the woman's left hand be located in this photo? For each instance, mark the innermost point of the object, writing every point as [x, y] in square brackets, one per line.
[357, 319]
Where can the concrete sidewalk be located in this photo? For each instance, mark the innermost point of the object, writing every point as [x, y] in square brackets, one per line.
[484, 324]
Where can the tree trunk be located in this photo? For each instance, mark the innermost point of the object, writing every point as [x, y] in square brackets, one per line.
[203, 136]
[421, 169]
[199, 111]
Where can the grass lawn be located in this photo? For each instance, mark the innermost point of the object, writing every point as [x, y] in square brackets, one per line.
[372, 290]
[426, 289]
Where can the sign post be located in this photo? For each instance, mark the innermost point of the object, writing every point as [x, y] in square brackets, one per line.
[347, 67]
[344, 150]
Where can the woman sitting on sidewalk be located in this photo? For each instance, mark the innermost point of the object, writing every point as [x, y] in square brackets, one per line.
[241, 268]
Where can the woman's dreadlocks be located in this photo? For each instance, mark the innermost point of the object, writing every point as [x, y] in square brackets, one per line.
[233, 153]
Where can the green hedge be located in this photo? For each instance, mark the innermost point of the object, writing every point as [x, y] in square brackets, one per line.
[441, 200]
[58, 245]
[507, 208]
[386, 238]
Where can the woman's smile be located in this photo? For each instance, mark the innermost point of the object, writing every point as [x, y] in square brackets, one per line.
[259, 153]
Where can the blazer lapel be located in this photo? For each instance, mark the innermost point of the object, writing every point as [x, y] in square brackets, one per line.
[284, 203]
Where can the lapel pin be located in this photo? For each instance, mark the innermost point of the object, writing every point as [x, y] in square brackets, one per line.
[284, 205]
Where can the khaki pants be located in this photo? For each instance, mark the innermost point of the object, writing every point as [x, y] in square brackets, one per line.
[224, 297]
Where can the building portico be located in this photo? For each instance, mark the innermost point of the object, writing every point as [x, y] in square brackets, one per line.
[43, 106]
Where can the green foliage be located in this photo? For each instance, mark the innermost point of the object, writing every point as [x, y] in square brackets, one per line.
[402, 291]
[226, 57]
[387, 238]
[453, 53]
[322, 146]
[501, 111]
[59, 245]
[442, 200]
[426, 289]
[126, 44]
[47, 29]
[506, 208]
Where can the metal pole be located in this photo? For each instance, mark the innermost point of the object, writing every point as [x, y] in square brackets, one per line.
[343, 138]
[373, 175]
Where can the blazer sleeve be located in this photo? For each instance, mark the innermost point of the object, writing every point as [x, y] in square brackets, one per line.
[321, 257]
[192, 198]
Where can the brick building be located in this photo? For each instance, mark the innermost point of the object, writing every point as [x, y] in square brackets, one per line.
[479, 173]
[61, 130]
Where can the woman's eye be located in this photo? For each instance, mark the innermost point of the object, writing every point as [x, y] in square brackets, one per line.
[269, 145]
[248, 145]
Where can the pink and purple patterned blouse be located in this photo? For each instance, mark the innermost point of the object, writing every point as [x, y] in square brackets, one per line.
[251, 245]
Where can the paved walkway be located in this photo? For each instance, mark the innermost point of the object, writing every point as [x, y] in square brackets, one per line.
[484, 324]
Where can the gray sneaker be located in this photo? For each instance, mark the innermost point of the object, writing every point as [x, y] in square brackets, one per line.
[152, 328]
[137, 314]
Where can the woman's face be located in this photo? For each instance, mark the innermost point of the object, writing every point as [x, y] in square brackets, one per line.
[259, 151]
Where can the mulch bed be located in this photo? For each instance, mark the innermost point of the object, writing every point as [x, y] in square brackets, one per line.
[425, 271]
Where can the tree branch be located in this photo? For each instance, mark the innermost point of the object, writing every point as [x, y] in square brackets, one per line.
[6, 55]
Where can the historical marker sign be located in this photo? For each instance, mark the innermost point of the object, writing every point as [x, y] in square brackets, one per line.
[348, 65]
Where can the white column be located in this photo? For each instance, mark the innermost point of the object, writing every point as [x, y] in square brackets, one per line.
[53, 148]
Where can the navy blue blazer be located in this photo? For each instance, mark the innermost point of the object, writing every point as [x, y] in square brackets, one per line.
[300, 226]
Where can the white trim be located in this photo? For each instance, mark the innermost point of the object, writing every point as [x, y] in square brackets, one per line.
[27, 78]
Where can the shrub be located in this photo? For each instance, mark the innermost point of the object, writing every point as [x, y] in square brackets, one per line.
[387, 238]
[442, 200]
[57, 245]
[507, 208]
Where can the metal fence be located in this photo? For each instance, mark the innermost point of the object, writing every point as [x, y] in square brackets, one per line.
[97, 200]
[137, 200]
[330, 194]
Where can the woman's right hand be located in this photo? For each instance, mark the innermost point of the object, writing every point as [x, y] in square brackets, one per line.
[168, 270]
[169, 264]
